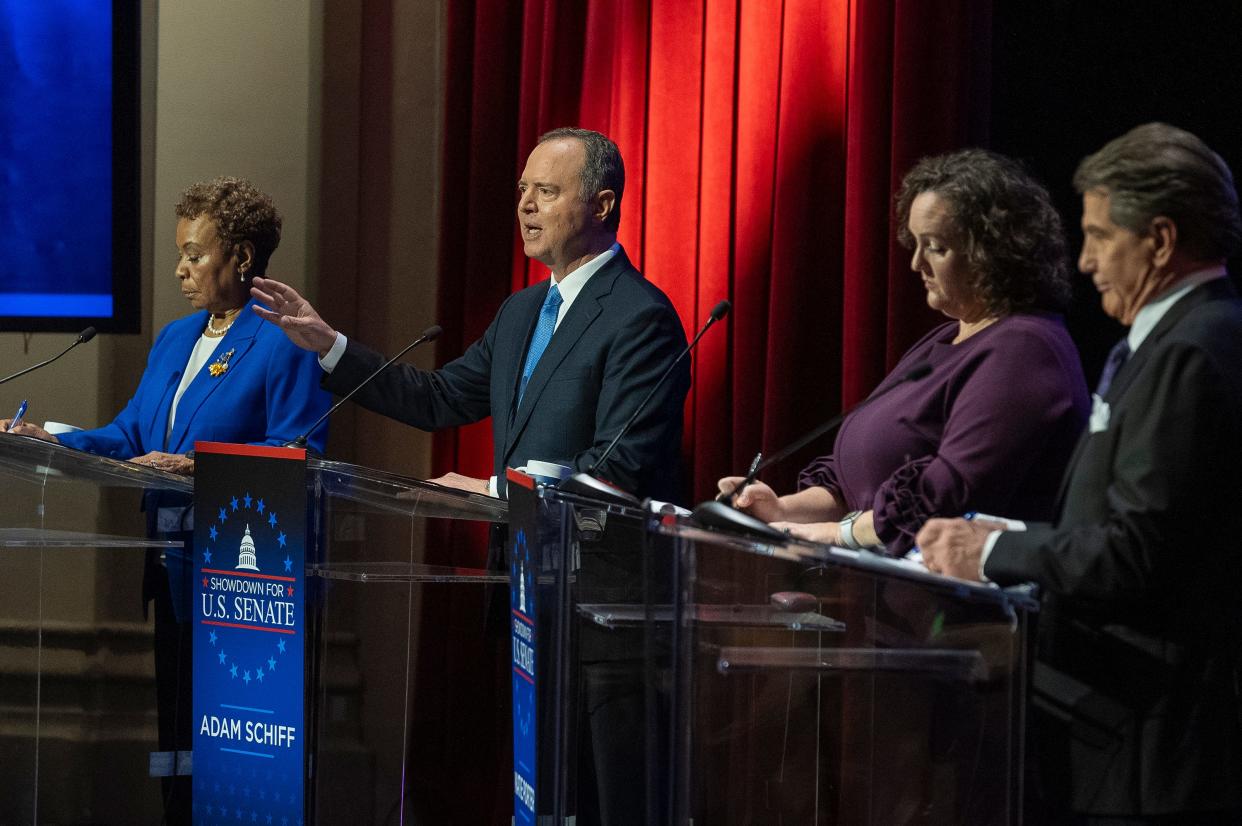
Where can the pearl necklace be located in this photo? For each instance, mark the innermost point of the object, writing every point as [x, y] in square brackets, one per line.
[211, 327]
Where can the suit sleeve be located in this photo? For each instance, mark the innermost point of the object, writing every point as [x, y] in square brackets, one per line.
[639, 355]
[122, 437]
[1163, 461]
[458, 393]
[293, 396]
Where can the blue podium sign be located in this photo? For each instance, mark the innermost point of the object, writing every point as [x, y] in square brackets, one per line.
[250, 541]
[523, 633]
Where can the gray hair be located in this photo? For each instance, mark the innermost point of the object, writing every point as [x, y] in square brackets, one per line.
[1159, 170]
[602, 169]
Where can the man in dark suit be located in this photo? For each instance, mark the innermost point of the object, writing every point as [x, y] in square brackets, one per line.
[1136, 716]
[564, 363]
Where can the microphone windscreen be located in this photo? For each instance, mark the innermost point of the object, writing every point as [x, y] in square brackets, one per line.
[432, 333]
[917, 372]
[86, 335]
[721, 310]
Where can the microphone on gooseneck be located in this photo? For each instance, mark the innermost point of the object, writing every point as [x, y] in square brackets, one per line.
[83, 337]
[586, 483]
[716, 513]
[430, 334]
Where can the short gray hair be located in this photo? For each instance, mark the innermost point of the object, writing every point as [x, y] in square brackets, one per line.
[602, 169]
[1159, 170]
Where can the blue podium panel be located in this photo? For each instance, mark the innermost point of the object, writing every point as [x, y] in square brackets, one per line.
[248, 615]
[587, 738]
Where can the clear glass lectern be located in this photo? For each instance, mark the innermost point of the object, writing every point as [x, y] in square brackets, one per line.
[406, 654]
[76, 686]
[691, 676]
[812, 684]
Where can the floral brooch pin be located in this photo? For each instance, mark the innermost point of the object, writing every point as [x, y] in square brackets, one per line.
[220, 365]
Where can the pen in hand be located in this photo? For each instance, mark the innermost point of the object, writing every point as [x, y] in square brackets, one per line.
[750, 477]
[18, 416]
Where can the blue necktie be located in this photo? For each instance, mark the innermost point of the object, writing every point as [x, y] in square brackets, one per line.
[543, 334]
[1116, 358]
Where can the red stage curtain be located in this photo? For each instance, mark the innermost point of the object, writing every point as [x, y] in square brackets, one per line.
[763, 141]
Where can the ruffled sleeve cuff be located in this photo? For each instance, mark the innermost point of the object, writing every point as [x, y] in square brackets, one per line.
[901, 506]
[821, 473]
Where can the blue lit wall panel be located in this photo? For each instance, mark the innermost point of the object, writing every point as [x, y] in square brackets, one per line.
[58, 165]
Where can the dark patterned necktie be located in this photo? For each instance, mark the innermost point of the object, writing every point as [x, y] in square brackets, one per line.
[543, 334]
[1116, 358]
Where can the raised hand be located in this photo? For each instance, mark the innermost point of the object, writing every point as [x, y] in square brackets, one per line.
[294, 314]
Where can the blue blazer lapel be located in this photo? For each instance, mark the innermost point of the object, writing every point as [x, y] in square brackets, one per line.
[175, 355]
[239, 339]
[582, 314]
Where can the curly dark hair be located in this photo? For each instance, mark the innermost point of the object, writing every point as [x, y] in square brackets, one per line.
[1013, 239]
[241, 213]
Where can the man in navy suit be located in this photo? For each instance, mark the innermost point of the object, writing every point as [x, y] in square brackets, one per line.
[1136, 703]
[564, 363]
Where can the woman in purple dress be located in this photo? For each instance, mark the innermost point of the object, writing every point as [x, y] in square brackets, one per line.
[991, 428]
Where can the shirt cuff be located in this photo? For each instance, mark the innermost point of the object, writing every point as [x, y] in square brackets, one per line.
[988, 545]
[329, 361]
[491, 487]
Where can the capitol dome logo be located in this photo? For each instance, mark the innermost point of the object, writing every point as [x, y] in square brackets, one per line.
[246, 560]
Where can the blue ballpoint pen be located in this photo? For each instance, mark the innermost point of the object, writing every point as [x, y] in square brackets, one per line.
[17, 417]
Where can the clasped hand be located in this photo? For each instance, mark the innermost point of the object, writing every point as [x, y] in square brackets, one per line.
[953, 547]
[167, 462]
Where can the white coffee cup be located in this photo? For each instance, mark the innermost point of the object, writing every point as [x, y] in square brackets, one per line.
[56, 428]
[545, 473]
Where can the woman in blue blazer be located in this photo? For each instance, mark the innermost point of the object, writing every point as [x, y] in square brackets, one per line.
[222, 375]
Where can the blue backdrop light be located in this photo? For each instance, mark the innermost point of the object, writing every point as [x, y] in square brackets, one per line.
[66, 83]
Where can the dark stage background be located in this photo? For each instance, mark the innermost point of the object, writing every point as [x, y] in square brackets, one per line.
[1069, 76]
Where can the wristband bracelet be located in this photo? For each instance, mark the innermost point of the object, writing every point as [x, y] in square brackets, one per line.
[847, 531]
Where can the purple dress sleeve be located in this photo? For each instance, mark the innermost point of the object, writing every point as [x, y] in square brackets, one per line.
[821, 473]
